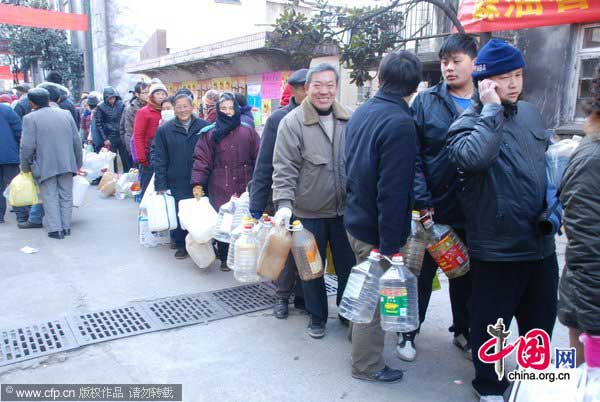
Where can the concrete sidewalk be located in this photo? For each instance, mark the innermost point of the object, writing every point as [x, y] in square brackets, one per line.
[254, 357]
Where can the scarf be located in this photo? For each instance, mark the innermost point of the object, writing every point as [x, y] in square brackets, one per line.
[153, 104]
[225, 124]
[210, 114]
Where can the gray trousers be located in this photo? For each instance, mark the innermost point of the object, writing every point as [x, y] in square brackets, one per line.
[367, 339]
[57, 198]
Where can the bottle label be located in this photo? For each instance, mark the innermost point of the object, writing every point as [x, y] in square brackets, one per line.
[226, 223]
[354, 286]
[447, 254]
[311, 256]
[394, 302]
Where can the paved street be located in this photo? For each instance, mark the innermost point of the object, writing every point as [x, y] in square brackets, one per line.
[253, 357]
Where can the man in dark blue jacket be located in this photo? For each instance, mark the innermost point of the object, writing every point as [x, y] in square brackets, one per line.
[498, 144]
[436, 179]
[381, 144]
[260, 192]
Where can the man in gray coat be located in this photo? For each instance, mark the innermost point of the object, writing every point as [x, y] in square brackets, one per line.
[51, 150]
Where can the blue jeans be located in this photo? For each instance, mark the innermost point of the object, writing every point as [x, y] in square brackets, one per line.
[36, 214]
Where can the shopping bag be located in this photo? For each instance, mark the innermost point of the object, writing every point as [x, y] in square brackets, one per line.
[23, 191]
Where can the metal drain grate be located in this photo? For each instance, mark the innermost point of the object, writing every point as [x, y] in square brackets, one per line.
[109, 324]
[183, 310]
[246, 298]
[35, 340]
[331, 284]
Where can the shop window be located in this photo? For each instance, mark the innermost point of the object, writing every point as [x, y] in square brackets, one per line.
[588, 58]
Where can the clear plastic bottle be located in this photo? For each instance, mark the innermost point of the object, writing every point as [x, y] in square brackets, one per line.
[275, 252]
[306, 253]
[246, 256]
[447, 249]
[225, 221]
[415, 247]
[262, 229]
[398, 298]
[235, 234]
[361, 296]
[242, 210]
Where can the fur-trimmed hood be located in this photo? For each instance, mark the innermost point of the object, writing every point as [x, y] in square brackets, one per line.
[311, 116]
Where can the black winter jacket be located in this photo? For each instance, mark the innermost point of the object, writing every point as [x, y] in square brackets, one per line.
[499, 151]
[436, 177]
[108, 118]
[381, 147]
[262, 178]
[173, 156]
[579, 294]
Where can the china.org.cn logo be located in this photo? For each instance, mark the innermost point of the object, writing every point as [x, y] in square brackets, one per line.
[532, 352]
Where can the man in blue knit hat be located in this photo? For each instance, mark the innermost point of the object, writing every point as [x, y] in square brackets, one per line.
[498, 144]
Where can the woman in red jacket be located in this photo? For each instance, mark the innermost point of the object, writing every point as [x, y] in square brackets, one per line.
[144, 128]
[224, 158]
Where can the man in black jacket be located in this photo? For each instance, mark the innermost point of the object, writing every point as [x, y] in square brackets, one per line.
[108, 118]
[436, 178]
[381, 145]
[260, 191]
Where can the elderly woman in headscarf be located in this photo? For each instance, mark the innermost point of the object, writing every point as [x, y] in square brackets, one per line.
[224, 158]
[209, 105]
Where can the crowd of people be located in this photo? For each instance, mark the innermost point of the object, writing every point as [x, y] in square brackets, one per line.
[468, 152]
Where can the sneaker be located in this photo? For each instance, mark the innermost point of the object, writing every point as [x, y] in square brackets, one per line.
[66, 232]
[181, 253]
[491, 398]
[29, 225]
[387, 375]
[316, 328]
[56, 235]
[281, 308]
[462, 343]
[224, 266]
[406, 350]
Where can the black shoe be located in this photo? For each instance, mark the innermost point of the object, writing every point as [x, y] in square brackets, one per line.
[181, 253]
[56, 235]
[316, 328]
[95, 182]
[344, 321]
[280, 309]
[387, 374]
[224, 266]
[66, 232]
[29, 225]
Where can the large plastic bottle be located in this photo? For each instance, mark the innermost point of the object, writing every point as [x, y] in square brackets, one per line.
[275, 252]
[398, 298]
[235, 234]
[224, 223]
[246, 256]
[361, 296]
[306, 253]
[446, 249]
[415, 247]
[242, 210]
[263, 228]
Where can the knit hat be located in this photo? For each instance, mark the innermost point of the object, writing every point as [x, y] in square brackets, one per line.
[497, 57]
[157, 87]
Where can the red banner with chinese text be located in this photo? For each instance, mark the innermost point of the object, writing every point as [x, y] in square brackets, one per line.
[504, 15]
[38, 18]
[6, 74]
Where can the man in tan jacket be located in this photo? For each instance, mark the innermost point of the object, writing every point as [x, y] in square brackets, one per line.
[309, 178]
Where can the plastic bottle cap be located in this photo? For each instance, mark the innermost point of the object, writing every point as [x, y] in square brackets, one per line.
[397, 258]
[296, 223]
[248, 226]
[265, 216]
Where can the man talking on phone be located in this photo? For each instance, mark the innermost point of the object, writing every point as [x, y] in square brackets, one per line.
[498, 144]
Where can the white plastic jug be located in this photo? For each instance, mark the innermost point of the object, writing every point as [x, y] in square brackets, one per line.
[198, 217]
[148, 238]
[203, 254]
[80, 187]
[161, 213]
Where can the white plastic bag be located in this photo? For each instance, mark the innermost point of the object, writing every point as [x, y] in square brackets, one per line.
[203, 254]
[557, 158]
[149, 191]
[80, 188]
[198, 217]
[160, 209]
[146, 237]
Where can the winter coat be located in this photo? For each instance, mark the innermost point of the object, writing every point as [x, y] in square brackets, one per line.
[108, 118]
[22, 107]
[247, 116]
[174, 156]
[309, 169]
[144, 128]
[499, 151]
[225, 168]
[127, 121]
[50, 144]
[436, 178]
[97, 139]
[10, 135]
[68, 105]
[262, 179]
[579, 291]
[381, 147]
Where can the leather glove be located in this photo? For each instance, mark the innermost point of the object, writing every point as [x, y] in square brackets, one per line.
[283, 216]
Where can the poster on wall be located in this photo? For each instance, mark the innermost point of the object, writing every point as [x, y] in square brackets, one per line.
[255, 101]
[266, 109]
[271, 85]
[285, 75]
[227, 86]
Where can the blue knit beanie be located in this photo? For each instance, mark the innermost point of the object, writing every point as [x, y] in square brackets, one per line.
[497, 57]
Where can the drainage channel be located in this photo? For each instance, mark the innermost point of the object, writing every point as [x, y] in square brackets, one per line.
[74, 331]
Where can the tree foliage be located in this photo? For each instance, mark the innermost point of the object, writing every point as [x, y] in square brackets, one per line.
[362, 35]
[49, 47]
